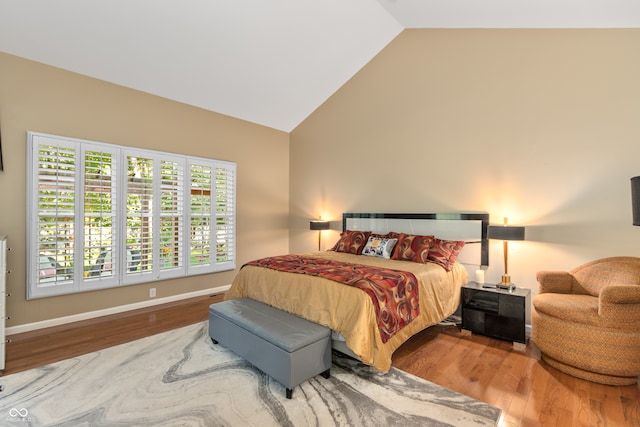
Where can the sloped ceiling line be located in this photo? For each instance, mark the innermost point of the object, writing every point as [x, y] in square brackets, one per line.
[270, 62]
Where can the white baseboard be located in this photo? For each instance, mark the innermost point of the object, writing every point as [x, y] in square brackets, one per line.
[113, 310]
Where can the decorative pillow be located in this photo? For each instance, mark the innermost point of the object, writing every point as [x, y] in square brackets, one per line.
[411, 247]
[380, 247]
[445, 252]
[352, 242]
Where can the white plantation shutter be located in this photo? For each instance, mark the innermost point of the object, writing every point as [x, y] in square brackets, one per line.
[106, 215]
[225, 214]
[172, 215]
[139, 207]
[200, 206]
[54, 191]
[99, 212]
[212, 215]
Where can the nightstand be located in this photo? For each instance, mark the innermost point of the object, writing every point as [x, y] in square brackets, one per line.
[496, 313]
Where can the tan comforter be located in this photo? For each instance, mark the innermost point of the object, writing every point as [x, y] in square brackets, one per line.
[348, 310]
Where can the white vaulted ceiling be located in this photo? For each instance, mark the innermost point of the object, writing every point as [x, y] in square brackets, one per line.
[270, 62]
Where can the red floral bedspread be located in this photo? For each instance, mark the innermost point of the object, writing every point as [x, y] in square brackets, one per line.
[394, 293]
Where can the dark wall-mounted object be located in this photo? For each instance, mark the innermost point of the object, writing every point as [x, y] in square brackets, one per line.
[1, 166]
[635, 199]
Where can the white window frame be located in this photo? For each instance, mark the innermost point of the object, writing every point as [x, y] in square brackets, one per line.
[76, 279]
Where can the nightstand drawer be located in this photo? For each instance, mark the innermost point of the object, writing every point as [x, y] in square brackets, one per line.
[511, 307]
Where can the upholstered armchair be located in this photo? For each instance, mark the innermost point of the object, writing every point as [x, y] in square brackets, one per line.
[586, 322]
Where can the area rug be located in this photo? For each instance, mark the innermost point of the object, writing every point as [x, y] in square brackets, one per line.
[179, 378]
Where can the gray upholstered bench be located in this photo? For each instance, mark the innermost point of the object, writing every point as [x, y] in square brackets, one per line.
[286, 347]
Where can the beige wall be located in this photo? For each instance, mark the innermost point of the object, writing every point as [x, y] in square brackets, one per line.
[538, 125]
[542, 126]
[44, 99]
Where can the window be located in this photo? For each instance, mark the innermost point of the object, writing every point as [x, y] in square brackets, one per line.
[102, 215]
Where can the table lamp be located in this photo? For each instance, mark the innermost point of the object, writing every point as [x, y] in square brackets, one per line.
[505, 232]
[319, 224]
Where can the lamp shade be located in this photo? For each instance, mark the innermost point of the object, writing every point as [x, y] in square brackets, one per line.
[505, 232]
[319, 225]
[635, 199]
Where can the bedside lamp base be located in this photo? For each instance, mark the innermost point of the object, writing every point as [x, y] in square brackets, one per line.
[506, 283]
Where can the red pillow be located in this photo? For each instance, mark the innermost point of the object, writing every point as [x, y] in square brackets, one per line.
[445, 252]
[412, 247]
[352, 242]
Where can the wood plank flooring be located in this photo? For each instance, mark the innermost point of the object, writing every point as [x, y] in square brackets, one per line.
[37, 348]
[529, 392]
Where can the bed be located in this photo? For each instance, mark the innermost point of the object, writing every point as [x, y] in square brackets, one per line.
[352, 313]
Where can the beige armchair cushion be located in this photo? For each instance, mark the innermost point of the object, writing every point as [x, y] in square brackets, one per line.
[573, 308]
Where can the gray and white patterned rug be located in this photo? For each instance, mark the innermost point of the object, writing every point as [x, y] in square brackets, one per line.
[179, 378]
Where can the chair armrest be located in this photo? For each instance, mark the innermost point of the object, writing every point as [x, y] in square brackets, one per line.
[620, 294]
[619, 306]
[560, 282]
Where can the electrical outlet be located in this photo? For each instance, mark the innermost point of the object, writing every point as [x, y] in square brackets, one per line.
[152, 293]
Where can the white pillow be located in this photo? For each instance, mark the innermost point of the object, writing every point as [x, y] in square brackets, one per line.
[381, 247]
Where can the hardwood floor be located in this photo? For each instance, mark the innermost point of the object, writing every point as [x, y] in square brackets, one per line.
[529, 392]
[36, 348]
